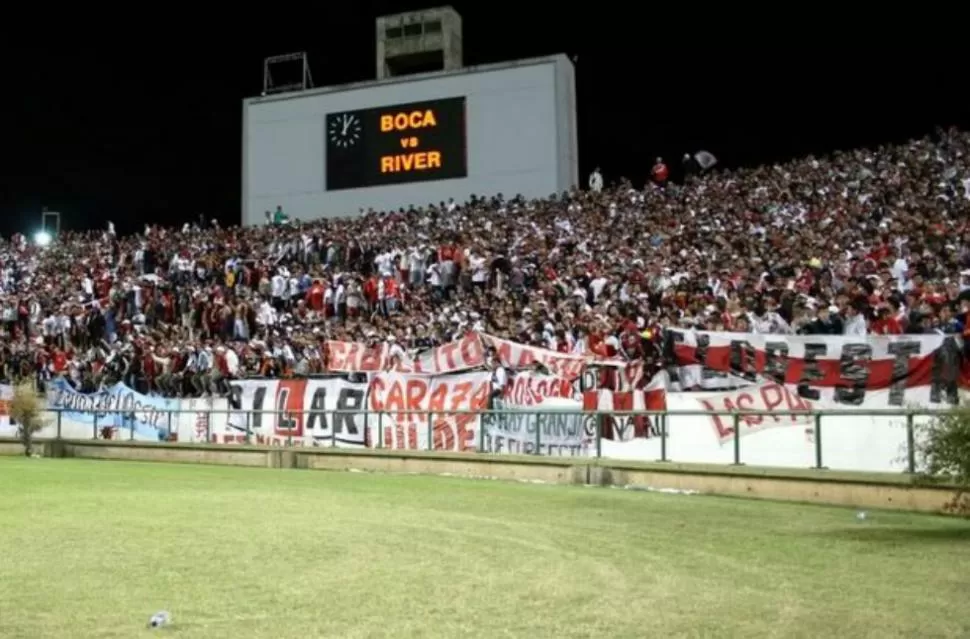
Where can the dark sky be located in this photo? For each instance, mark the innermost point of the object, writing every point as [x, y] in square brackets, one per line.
[137, 128]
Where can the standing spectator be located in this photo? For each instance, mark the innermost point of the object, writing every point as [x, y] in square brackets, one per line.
[659, 173]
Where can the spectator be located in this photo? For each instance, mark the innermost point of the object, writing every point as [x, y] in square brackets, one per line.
[879, 234]
[659, 172]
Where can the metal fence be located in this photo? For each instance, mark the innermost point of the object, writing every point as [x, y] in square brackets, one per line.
[111, 424]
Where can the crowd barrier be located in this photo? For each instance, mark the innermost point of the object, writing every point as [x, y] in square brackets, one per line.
[769, 421]
[664, 436]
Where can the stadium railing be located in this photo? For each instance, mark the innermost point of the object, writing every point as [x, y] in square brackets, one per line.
[585, 435]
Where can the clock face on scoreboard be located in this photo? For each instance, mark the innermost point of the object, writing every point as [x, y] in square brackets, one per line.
[401, 143]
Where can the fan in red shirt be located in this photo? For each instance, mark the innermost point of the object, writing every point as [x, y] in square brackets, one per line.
[562, 343]
[631, 345]
[370, 290]
[446, 253]
[595, 343]
[885, 323]
[148, 366]
[168, 306]
[660, 173]
[314, 297]
[60, 361]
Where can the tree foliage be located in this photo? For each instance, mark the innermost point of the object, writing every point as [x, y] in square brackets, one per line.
[27, 412]
[943, 454]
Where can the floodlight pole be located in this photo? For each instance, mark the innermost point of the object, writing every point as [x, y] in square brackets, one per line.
[48, 219]
[306, 78]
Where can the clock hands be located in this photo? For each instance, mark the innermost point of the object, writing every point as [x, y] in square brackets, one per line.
[344, 130]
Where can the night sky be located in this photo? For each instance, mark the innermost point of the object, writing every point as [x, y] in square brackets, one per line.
[138, 128]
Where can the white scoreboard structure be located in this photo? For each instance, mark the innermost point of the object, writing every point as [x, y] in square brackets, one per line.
[415, 140]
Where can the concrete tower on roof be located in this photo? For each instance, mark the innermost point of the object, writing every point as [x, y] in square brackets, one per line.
[418, 42]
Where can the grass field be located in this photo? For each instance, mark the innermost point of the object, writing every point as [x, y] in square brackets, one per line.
[92, 549]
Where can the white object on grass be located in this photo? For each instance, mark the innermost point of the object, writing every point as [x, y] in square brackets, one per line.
[160, 619]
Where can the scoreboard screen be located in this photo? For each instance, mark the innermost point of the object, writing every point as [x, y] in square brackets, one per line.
[396, 144]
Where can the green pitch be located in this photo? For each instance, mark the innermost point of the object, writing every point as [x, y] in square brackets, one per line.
[92, 549]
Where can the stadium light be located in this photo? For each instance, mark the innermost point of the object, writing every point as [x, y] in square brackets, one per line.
[42, 238]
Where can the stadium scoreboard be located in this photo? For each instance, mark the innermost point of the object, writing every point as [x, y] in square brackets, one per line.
[396, 144]
[409, 140]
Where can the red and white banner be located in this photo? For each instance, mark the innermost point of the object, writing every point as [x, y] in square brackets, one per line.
[851, 364]
[416, 407]
[462, 355]
[520, 356]
[620, 375]
[528, 389]
[354, 357]
[775, 399]
[628, 427]
[6, 394]
[852, 436]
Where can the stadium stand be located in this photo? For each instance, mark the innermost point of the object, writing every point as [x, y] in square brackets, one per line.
[861, 242]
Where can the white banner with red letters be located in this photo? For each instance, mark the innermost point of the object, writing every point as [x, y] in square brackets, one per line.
[527, 388]
[456, 356]
[418, 412]
[428, 401]
[460, 355]
[852, 441]
[520, 356]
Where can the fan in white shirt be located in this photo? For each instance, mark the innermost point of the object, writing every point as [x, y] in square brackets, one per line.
[232, 362]
[266, 315]
[434, 276]
[278, 286]
[396, 353]
[479, 268]
[855, 323]
[417, 258]
[770, 323]
[385, 264]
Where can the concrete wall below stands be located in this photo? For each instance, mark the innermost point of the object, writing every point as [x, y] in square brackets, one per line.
[10, 448]
[862, 490]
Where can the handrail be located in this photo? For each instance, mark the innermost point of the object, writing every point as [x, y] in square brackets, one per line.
[586, 428]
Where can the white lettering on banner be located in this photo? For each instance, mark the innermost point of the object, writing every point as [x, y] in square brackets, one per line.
[394, 394]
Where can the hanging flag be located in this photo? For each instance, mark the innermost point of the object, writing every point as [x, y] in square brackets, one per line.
[705, 159]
